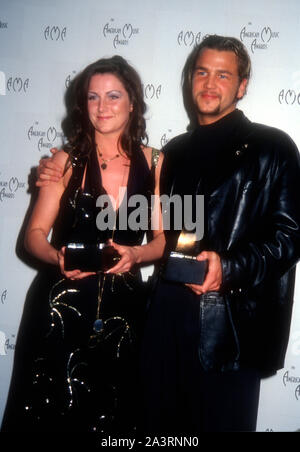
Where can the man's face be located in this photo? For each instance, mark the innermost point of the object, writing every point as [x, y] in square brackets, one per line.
[216, 86]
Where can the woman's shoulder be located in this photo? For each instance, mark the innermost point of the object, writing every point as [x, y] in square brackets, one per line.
[61, 159]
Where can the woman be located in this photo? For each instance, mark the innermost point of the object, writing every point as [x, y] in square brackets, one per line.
[76, 356]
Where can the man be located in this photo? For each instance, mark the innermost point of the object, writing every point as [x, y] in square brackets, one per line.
[207, 346]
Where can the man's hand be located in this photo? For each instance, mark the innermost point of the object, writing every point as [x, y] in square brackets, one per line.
[213, 278]
[48, 171]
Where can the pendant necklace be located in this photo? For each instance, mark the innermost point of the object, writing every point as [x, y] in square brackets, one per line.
[105, 161]
[98, 325]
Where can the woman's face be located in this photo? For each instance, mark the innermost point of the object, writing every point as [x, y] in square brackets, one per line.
[108, 104]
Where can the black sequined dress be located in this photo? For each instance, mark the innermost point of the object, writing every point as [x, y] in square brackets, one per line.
[66, 376]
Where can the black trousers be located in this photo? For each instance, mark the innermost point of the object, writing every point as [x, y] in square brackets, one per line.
[225, 402]
[179, 396]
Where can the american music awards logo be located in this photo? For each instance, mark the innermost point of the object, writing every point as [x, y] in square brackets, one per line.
[13, 84]
[152, 91]
[290, 378]
[69, 79]
[16, 84]
[55, 33]
[188, 38]
[291, 96]
[7, 342]
[258, 39]
[3, 25]
[9, 188]
[120, 34]
[45, 139]
[165, 138]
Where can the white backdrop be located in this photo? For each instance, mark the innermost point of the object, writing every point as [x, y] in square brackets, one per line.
[44, 43]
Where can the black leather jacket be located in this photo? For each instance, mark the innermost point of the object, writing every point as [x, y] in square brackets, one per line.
[252, 216]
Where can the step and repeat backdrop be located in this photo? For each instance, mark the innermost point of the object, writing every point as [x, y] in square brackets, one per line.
[44, 44]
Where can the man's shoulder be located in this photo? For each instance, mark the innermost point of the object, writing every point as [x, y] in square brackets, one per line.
[271, 141]
[270, 135]
[176, 144]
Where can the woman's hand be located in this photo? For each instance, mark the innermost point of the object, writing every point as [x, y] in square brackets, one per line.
[129, 256]
[48, 171]
[72, 274]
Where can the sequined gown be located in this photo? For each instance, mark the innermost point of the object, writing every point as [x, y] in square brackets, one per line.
[66, 376]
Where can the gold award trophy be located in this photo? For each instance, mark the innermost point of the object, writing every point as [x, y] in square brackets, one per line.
[182, 265]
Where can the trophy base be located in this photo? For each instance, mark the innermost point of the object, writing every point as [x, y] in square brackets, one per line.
[90, 257]
[185, 269]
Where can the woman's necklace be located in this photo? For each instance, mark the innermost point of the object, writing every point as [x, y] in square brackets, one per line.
[105, 161]
[99, 322]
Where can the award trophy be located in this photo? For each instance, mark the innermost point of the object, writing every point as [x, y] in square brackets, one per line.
[92, 257]
[182, 265]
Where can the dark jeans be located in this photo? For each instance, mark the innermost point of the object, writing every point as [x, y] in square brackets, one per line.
[179, 396]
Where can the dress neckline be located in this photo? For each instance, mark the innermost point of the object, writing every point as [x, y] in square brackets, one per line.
[93, 176]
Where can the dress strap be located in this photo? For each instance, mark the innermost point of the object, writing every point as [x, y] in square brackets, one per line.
[78, 166]
[93, 180]
[155, 157]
